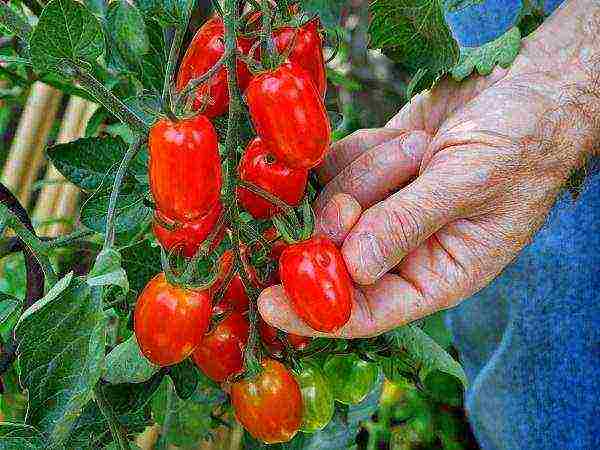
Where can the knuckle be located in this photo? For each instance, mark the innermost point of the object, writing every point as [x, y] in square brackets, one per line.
[402, 229]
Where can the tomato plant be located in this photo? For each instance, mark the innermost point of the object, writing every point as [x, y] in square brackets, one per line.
[351, 378]
[317, 398]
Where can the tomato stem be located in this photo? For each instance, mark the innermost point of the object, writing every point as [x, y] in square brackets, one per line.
[167, 94]
[115, 426]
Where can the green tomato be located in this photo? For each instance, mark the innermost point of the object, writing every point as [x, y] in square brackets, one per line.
[317, 398]
[350, 378]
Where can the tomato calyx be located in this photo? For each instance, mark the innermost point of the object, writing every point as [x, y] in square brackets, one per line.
[290, 228]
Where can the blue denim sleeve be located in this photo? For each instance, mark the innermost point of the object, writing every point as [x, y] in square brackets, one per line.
[487, 20]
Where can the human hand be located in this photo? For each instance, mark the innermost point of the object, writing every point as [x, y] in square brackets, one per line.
[429, 210]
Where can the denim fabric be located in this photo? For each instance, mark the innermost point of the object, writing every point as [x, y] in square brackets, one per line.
[530, 342]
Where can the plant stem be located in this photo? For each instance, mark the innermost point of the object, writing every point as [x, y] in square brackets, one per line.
[167, 95]
[116, 430]
[107, 98]
[193, 84]
[162, 444]
[109, 238]
[14, 23]
[64, 241]
[287, 209]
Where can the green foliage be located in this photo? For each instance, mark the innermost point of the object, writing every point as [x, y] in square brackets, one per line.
[66, 31]
[414, 34]
[17, 436]
[61, 355]
[8, 305]
[501, 51]
[126, 30]
[126, 364]
[141, 261]
[185, 378]
[107, 271]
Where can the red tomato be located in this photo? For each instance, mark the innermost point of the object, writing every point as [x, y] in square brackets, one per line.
[268, 334]
[316, 280]
[235, 297]
[184, 168]
[289, 115]
[205, 50]
[187, 237]
[221, 353]
[304, 46]
[170, 321]
[269, 406]
[261, 168]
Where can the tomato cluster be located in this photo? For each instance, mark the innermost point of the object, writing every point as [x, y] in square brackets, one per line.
[210, 324]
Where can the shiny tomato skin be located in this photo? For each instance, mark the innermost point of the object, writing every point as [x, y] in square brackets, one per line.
[235, 297]
[304, 46]
[204, 51]
[317, 397]
[260, 168]
[316, 280]
[351, 379]
[289, 116]
[268, 334]
[170, 321]
[187, 237]
[184, 168]
[220, 355]
[269, 406]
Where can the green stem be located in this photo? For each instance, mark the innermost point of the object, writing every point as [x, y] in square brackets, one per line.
[116, 429]
[14, 23]
[109, 237]
[107, 98]
[64, 241]
[163, 443]
[167, 95]
[287, 209]
[193, 84]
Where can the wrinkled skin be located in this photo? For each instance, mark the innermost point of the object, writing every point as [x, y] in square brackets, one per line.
[304, 46]
[184, 168]
[187, 237]
[270, 405]
[207, 47]
[259, 167]
[315, 279]
[220, 355]
[434, 206]
[289, 116]
[170, 321]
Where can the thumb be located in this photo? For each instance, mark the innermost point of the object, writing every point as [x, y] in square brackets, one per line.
[338, 217]
[391, 229]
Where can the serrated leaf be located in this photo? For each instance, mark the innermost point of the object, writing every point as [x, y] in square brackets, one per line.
[61, 354]
[127, 30]
[66, 30]
[501, 51]
[8, 305]
[126, 364]
[107, 271]
[89, 162]
[130, 210]
[414, 34]
[18, 436]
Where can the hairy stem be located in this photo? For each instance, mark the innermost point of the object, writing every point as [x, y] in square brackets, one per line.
[109, 238]
[116, 429]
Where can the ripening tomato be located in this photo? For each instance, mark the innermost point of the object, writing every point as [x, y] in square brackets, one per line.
[316, 280]
[205, 50]
[184, 168]
[268, 334]
[187, 237]
[289, 116]
[259, 167]
[317, 398]
[170, 321]
[220, 355]
[235, 297]
[351, 379]
[304, 46]
[269, 405]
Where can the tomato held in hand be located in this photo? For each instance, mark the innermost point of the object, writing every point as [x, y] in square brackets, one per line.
[289, 116]
[315, 279]
[187, 237]
[268, 334]
[184, 168]
[170, 321]
[260, 168]
[220, 355]
[304, 46]
[269, 405]
[317, 398]
[205, 50]
[351, 379]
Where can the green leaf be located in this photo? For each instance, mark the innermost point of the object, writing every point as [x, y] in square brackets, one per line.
[107, 271]
[414, 34]
[18, 436]
[89, 162]
[127, 30]
[66, 30]
[130, 212]
[126, 364]
[61, 354]
[166, 12]
[185, 378]
[141, 261]
[330, 11]
[8, 305]
[501, 51]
